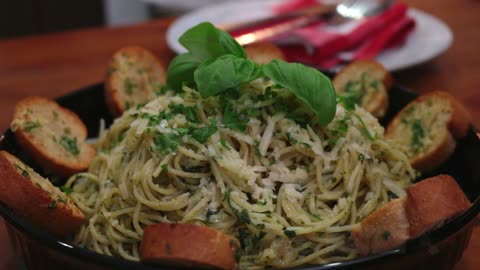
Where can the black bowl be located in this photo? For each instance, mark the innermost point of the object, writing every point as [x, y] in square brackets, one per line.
[438, 249]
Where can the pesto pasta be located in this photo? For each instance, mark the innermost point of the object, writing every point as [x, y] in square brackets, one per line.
[250, 163]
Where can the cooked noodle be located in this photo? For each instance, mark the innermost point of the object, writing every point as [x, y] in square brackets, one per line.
[291, 191]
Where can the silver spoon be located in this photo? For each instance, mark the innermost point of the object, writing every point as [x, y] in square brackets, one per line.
[346, 10]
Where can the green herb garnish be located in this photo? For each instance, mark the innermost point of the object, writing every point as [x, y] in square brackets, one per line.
[309, 85]
[66, 190]
[418, 134]
[166, 142]
[31, 125]
[202, 134]
[70, 144]
[25, 173]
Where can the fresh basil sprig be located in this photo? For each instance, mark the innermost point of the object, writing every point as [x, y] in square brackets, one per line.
[226, 72]
[215, 63]
[309, 85]
[203, 42]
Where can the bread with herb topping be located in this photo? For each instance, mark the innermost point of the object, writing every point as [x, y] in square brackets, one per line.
[188, 245]
[30, 195]
[366, 82]
[427, 127]
[384, 229]
[135, 76]
[54, 136]
[428, 204]
[264, 52]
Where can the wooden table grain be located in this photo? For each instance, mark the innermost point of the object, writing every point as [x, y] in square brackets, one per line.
[55, 64]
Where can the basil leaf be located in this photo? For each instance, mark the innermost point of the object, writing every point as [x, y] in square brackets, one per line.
[181, 70]
[309, 85]
[205, 41]
[226, 72]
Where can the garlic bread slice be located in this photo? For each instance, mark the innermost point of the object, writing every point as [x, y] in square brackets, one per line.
[367, 83]
[30, 195]
[134, 77]
[427, 127]
[188, 245]
[53, 136]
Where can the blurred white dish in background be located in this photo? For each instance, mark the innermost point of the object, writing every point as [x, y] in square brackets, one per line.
[430, 38]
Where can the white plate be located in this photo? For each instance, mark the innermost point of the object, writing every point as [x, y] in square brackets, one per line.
[430, 38]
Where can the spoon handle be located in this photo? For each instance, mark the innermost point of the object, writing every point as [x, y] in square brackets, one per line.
[318, 10]
[258, 30]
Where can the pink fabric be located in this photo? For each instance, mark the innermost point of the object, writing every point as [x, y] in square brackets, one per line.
[366, 40]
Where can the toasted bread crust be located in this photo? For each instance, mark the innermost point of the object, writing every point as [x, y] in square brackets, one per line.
[376, 101]
[35, 198]
[384, 229]
[432, 201]
[427, 205]
[264, 52]
[188, 245]
[450, 121]
[132, 78]
[43, 129]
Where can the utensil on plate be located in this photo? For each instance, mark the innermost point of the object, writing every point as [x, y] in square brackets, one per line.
[253, 31]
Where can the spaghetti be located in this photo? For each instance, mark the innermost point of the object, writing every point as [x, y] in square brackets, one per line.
[250, 163]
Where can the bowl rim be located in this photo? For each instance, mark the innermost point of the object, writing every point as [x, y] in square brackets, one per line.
[19, 223]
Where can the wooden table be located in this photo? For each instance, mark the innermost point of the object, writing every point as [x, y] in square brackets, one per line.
[55, 64]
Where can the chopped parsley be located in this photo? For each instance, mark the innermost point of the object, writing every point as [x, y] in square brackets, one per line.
[31, 125]
[190, 112]
[166, 142]
[66, 190]
[248, 240]
[129, 86]
[385, 235]
[224, 143]
[233, 119]
[165, 167]
[70, 144]
[25, 173]
[202, 134]
[242, 215]
[364, 129]
[418, 134]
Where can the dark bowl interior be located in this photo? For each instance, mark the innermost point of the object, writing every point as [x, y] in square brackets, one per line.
[438, 249]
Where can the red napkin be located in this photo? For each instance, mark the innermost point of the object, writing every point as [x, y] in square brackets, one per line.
[326, 46]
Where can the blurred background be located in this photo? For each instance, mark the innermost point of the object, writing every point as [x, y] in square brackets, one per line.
[26, 17]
